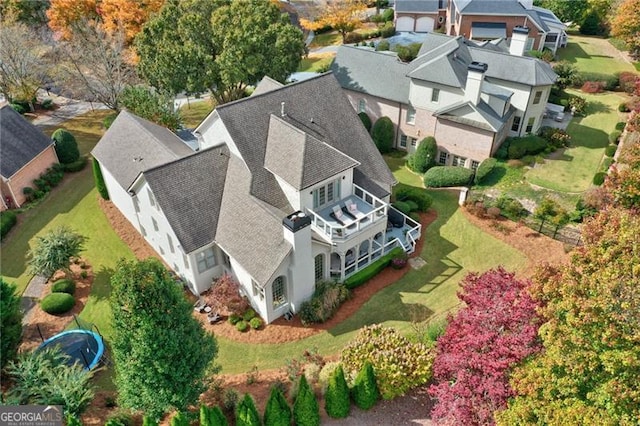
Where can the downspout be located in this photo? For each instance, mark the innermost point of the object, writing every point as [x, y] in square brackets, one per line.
[399, 121]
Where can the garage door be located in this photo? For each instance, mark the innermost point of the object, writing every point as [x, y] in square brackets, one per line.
[424, 25]
[404, 23]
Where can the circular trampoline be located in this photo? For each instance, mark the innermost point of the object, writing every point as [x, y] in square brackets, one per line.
[82, 346]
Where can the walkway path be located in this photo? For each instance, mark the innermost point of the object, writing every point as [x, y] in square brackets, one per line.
[30, 296]
[66, 109]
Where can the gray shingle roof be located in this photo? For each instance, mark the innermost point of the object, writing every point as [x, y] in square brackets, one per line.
[502, 7]
[247, 231]
[416, 6]
[519, 69]
[445, 64]
[189, 192]
[316, 106]
[299, 158]
[375, 73]
[265, 85]
[133, 145]
[20, 141]
[490, 120]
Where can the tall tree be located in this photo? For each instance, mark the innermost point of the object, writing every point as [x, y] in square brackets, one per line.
[588, 371]
[220, 46]
[566, 11]
[161, 351]
[54, 251]
[22, 68]
[63, 14]
[151, 105]
[10, 322]
[495, 331]
[343, 16]
[31, 13]
[626, 25]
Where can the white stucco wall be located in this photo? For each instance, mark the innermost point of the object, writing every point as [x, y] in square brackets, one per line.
[120, 197]
[346, 186]
[420, 95]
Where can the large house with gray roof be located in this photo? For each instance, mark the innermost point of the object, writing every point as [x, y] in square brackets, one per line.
[285, 189]
[469, 96]
[482, 20]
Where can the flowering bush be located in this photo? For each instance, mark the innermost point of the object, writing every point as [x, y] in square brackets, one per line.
[578, 104]
[399, 261]
[592, 86]
[224, 294]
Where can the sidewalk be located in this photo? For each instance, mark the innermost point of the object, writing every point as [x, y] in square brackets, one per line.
[66, 109]
[31, 296]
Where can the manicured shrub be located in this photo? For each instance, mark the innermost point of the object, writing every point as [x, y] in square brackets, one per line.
[578, 104]
[592, 87]
[277, 412]
[366, 121]
[622, 107]
[306, 411]
[382, 134]
[242, 326]
[180, 419]
[408, 53]
[336, 399]
[57, 303]
[365, 390]
[510, 207]
[18, 108]
[417, 195]
[383, 45]
[403, 206]
[387, 30]
[212, 416]
[249, 314]
[443, 176]
[255, 323]
[399, 364]
[8, 220]
[528, 145]
[484, 169]
[598, 179]
[628, 81]
[387, 15]
[11, 322]
[606, 163]
[610, 150]
[99, 180]
[620, 125]
[557, 138]
[76, 166]
[234, 319]
[614, 137]
[326, 300]
[246, 412]
[413, 206]
[64, 286]
[148, 421]
[425, 156]
[370, 271]
[66, 146]
[399, 261]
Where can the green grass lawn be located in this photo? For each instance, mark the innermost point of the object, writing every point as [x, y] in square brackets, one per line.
[573, 170]
[593, 55]
[326, 39]
[87, 128]
[196, 111]
[315, 63]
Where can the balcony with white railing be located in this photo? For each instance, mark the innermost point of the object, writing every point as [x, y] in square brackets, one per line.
[341, 220]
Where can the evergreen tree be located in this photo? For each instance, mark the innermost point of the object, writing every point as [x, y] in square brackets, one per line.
[382, 134]
[365, 389]
[10, 322]
[247, 413]
[66, 146]
[99, 180]
[336, 400]
[180, 419]
[277, 411]
[425, 156]
[148, 421]
[306, 411]
[366, 121]
[212, 416]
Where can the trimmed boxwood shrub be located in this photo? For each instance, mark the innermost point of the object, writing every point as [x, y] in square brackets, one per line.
[610, 150]
[66, 146]
[57, 303]
[234, 318]
[366, 121]
[64, 286]
[249, 314]
[620, 125]
[484, 169]
[419, 196]
[8, 220]
[242, 326]
[372, 270]
[255, 323]
[528, 145]
[336, 399]
[403, 206]
[99, 180]
[598, 179]
[606, 163]
[425, 156]
[443, 176]
[382, 134]
[614, 137]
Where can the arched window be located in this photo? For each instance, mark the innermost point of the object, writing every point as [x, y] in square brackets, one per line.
[279, 291]
[319, 267]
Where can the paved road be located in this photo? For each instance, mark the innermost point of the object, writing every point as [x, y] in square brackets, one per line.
[67, 109]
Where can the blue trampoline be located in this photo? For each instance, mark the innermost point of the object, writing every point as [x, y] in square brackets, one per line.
[83, 346]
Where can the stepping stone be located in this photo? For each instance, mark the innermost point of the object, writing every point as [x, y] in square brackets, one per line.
[417, 262]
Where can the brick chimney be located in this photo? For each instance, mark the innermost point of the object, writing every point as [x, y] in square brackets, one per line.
[519, 38]
[475, 77]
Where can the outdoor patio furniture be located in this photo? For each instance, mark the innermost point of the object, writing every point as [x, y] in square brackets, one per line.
[352, 208]
[340, 217]
[214, 318]
[396, 218]
[200, 305]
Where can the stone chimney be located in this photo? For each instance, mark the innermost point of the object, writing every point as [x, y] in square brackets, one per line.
[297, 232]
[475, 77]
[519, 38]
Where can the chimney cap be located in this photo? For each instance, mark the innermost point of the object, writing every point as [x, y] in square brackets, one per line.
[519, 29]
[480, 67]
[296, 220]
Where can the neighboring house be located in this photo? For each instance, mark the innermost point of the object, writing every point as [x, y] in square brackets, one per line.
[262, 199]
[469, 96]
[25, 153]
[483, 20]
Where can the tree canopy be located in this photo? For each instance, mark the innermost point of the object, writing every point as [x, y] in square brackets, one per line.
[151, 105]
[221, 46]
[161, 351]
[626, 24]
[343, 16]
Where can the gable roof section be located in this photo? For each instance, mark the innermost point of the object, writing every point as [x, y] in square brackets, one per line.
[375, 73]
[518, 69]
[20, 141]
[301, 159]
[317, 107]
[267, 84]
[133, 145]
[459, 112]
[424, 6]
[247, 231]
[189, 192]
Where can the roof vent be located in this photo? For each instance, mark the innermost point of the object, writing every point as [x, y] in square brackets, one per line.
[282, 113]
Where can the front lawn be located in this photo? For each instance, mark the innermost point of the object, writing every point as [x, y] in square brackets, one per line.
[593, 55]
[316, 62]
[573, 170]
[194, 112]
[87, 128]
[326, 39]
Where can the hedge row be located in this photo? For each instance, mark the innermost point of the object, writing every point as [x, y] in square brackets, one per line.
[444, 176]
[8, 220]
[484, 169]
[372, 270]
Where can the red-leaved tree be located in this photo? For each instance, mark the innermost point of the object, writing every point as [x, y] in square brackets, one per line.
[495, 331]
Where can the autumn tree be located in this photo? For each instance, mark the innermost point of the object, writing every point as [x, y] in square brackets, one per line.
[343, 16]
[161, 351]
[30, 13]
[626, 25]
[222, 47]
[63, 14]
[495, 331]
[588, 370]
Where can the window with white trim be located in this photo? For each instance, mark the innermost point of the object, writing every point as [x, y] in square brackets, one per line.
[326, 194]
[206, 259]
[530, 124]
[143, 231]
[257, 290]
[403, 141]
[185, 260]
[155, 224]
[319, 267]
[442, 159]
[362, 105]
[152, 198]
[413, 141]
[537, 97]
[474, 165]
[279, 292]
[435, 95]
[411, 115]
[458, 161]
[515, 127]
